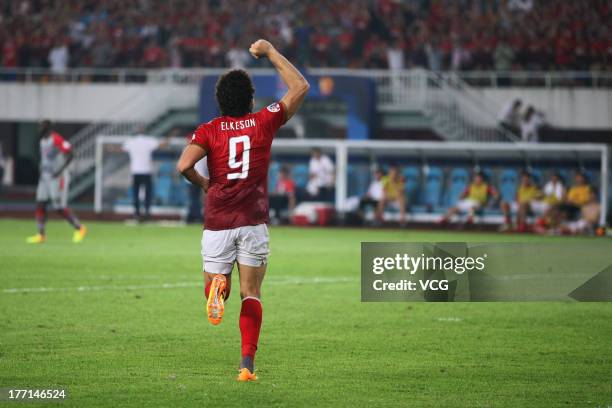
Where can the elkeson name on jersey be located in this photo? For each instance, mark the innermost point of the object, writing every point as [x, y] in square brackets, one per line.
[238, 125]
[238, 152]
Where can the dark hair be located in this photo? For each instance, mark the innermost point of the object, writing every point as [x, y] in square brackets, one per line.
[234, 93]
[44, 127]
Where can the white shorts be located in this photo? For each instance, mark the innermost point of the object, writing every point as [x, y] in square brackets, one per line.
[54, 190]
[467, 205]
[538, 207]
[248, 245]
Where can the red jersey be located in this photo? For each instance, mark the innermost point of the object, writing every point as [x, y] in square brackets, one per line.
[238, 152]
[286, 186]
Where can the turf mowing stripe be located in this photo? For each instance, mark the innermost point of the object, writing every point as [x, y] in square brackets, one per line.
[86, 288]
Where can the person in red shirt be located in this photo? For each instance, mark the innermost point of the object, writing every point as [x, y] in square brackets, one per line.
[53, 183]
[237, 147]
[282, 199]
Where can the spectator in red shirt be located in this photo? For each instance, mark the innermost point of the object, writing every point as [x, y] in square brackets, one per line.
[282, 200]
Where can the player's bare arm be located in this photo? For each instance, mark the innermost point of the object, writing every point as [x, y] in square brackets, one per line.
[296, 83]
[190, 156]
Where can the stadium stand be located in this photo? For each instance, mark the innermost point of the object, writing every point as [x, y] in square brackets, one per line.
[439, 35]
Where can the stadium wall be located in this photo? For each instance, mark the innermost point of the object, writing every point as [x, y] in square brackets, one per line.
[564, 108]
[88, 102]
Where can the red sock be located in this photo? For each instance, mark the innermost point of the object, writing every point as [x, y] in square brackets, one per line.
[250, 324]
[207, 289]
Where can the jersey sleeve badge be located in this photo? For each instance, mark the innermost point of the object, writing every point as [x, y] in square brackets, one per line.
[275, 107]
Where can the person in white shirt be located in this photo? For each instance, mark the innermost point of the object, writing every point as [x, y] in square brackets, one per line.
[374, 195]
[554, 190]
[321, 172]
[140, 148]
[238, 57]
[375, 191]
[395, 57]
[509, 116]
[531, 124]
[58, 59]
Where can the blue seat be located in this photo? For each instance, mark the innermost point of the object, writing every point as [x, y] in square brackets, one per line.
[178, 196]
[489, 175]
[592, 177]
[412, 181]
[273, 176]
[538, 176]
[565, 174]
[458, 181]
[166, 168]
[162, 190]
[358, 180]
[432, 187]
[508, 183]
[300, 175]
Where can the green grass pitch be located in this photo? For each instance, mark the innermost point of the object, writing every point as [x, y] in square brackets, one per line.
[119, 321]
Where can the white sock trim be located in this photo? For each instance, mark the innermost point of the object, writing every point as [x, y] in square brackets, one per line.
[251, 297]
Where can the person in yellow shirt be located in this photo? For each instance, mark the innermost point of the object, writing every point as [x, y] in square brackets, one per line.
[475, 196]
[577, 196]
[529, 199]
[580, 193]
[589, 217]
[393, 194]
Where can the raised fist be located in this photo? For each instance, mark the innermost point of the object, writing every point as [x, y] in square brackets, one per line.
[260, 48]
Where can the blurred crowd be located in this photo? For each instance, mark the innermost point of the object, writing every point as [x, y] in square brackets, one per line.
[436, 34]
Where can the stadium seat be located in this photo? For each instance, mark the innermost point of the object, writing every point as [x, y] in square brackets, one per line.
[162, 189]
[166, 168]
[592, 177]
[459, 179]
[538, 176]
[432, 188]
[412, 180]
[299, 172]
[358, 180]
[508, 183]
[565, 174]
[489, 175]
[273, 175]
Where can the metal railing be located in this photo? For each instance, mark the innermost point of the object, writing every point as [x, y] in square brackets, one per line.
[534, 79]
[459, 113]
[494, 79]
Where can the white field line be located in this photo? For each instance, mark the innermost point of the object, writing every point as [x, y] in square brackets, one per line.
[449, 319]
[176, 285]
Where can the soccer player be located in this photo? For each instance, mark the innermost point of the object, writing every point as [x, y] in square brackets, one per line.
[53, 183]
[475, 197]
[393, 193]
[237, 146]
[529, 200]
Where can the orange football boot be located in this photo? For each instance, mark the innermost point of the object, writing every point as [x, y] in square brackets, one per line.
[215, 304]
[246, 375]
